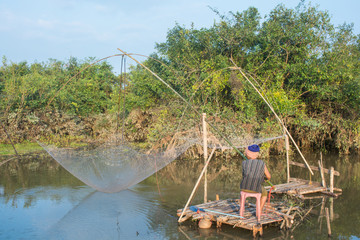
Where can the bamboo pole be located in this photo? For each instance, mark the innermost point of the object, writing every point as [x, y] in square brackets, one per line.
[77, 74]
[331, 200]
[205, 155]
[197, 184]
[8, 160]
[321, 213]
[336, 173]
[124, 102]
[328, 221]
[321, 170]
[321, 158]
[184, 233]
[287, 158]
[277, 117]
[187, 102]
[285, 219]
[286, 215]
[332, 179]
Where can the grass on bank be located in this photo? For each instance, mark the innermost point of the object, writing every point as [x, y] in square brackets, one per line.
[21, 148]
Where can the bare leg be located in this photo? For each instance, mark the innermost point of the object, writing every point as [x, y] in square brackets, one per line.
[262, 203]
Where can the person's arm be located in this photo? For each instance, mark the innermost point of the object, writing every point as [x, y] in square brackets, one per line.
[267, 173]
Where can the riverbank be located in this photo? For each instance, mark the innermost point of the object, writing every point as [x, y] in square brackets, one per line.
[21, 148]
[154, 129]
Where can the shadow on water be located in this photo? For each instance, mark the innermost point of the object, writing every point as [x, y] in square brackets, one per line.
[41, 200]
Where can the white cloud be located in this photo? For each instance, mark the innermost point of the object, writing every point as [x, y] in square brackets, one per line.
[46, 23]
[101, 8]
[7, 19]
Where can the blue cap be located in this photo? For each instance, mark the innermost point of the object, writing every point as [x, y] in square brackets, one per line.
[254, 148]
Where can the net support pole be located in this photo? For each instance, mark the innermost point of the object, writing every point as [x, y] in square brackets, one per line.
[205, 154]
[277, 117]
[187, 102]
[287, 147]
[332, 179]
[197, 184]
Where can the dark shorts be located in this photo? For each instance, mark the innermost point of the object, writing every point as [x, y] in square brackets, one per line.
[263, 191]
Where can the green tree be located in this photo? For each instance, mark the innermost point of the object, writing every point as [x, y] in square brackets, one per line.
[306, 67]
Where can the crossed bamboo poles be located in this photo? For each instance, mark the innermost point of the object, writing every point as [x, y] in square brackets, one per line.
[130, 55]
[242, 73]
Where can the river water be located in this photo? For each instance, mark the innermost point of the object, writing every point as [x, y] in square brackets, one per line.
[41, 200]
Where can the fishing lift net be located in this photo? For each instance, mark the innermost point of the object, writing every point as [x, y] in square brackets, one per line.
[117, 165]
[114, 166]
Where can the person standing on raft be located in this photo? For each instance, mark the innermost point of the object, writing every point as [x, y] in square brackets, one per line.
[253, 173]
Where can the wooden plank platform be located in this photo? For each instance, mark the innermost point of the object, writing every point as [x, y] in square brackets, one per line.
[299, 187]
[227, 212]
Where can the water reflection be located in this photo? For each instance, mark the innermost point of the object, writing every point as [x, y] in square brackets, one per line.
[32, 171]
[28, 213]
[123, 215]
[40, 200]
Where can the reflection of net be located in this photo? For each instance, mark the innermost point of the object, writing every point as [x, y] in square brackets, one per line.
[115, 166]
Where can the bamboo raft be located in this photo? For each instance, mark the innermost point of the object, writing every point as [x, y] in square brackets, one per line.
[299, 188]
[227, 212]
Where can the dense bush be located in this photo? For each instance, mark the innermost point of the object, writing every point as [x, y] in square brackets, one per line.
[306, 67]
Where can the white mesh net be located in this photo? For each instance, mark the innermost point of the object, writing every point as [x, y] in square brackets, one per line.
[116, 165]
[113, 167]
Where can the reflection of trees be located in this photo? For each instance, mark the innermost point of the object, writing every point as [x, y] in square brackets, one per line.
[348, 166]
[32, 171]
[224, 172]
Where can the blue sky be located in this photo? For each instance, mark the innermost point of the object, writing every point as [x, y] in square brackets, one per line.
[38, 30]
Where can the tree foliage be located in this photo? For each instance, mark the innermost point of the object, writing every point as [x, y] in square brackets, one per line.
[305, 66]
[30, 87]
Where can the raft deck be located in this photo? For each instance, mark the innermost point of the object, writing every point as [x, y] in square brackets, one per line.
[227, 212]
[299, 187]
